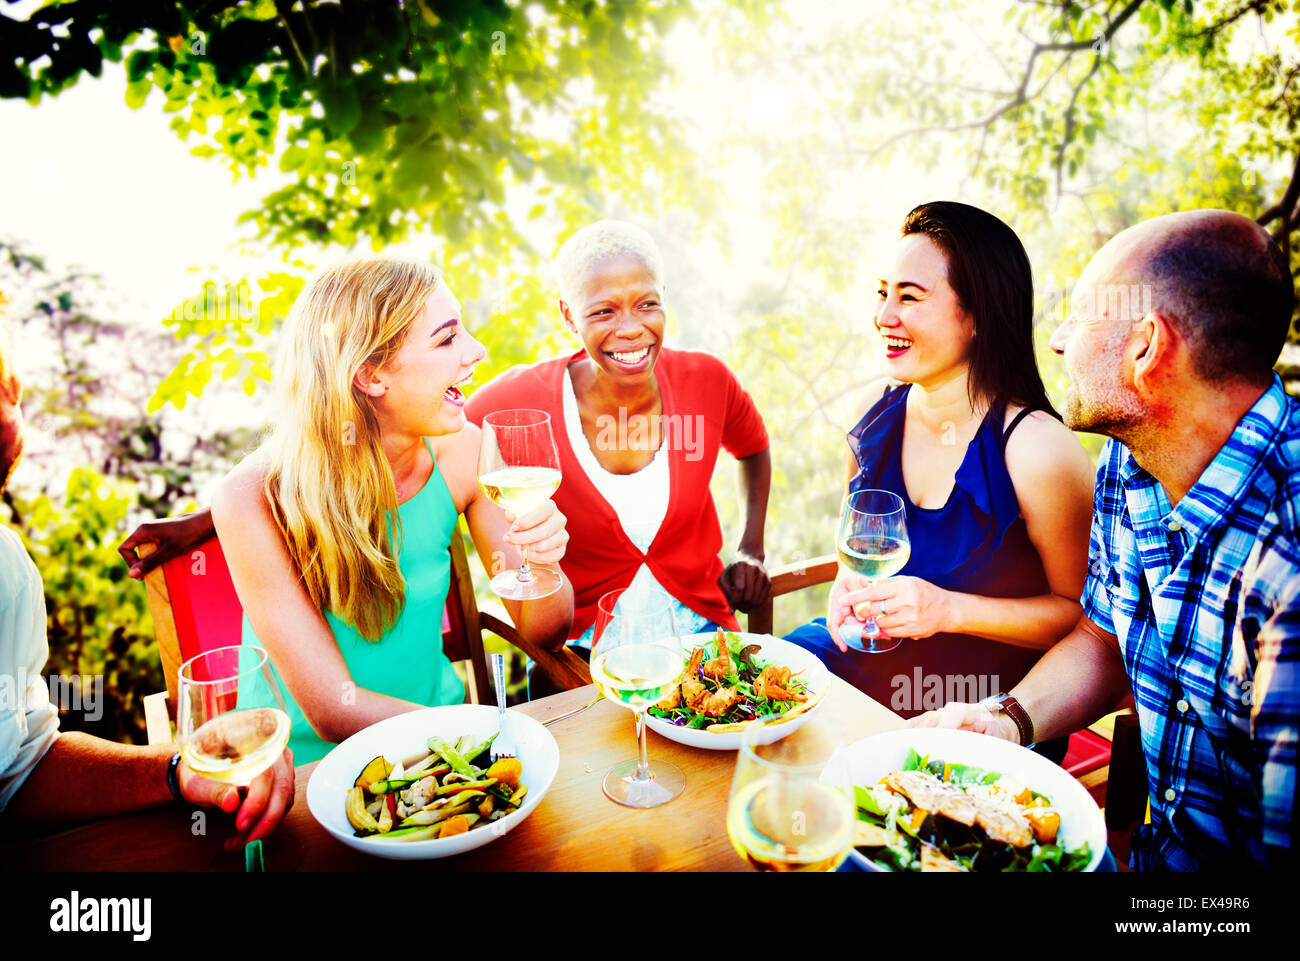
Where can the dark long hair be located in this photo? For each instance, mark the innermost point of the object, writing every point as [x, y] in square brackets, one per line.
[989, 272]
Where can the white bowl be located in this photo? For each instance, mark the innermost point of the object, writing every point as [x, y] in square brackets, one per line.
[774, 651]
[872, 758]
[406, 735]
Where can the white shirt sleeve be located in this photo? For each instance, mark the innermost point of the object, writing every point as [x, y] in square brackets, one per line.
[29, 723]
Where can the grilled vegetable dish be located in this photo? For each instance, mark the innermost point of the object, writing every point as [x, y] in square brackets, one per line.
[439, 795]
[934, 816]
[724, 687]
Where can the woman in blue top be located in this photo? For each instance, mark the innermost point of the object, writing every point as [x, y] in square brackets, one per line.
[337, 529]
[997, 491]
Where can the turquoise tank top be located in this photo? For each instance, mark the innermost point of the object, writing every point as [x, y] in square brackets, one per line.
[407, 662]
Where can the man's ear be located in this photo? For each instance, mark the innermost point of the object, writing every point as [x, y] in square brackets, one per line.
[568, 317]
[368, 382]
[1152, 349]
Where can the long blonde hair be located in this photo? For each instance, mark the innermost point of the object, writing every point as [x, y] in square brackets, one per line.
[329, 483]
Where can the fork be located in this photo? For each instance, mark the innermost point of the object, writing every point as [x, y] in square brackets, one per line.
[503, 746]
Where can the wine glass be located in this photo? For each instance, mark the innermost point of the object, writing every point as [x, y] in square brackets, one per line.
[518, 468]
[791, 805]
[636, 659]
[223, 735]
[872, 542]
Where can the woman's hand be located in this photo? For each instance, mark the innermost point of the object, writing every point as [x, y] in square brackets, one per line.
[268, 799]
[745, 583]
[846, 586]
[171, 537]
[904, 606]
[541, 531]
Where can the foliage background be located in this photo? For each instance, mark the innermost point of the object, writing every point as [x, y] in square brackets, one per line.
[772, 149]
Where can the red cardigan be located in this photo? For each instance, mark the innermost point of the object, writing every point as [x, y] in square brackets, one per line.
[703, 396]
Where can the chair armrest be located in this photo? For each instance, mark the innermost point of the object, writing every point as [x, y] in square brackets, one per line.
[563, 666]
[790, 578]
[157, 719]
[796, 576]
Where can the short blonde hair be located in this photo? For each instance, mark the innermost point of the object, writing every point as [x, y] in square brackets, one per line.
[600, 241]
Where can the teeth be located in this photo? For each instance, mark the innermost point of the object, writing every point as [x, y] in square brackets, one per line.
[897, 343]
[630, 358]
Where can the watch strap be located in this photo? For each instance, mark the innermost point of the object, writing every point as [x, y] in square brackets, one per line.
[173, 782]
[1012, 708]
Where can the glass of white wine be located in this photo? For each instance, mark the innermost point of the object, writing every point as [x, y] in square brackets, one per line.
[873, 542]
[518, 469]
[222, 735]
[791, 805]
[636, 659]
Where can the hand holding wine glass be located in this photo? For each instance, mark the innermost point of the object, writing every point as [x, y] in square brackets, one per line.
[233, 731]
[872, 543]
[518, 470]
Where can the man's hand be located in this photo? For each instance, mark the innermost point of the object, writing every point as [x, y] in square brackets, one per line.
[268, 799]
[969, 717]
[171, 537]
[745, 583]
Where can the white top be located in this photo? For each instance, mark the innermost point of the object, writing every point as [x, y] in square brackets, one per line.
[29, 723]
[640, 500]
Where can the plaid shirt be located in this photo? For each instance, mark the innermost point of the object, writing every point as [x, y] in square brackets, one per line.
[1203, 600]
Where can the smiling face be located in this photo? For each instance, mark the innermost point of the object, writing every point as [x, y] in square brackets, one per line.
[618, 312]
[417, 390]
[927, 334]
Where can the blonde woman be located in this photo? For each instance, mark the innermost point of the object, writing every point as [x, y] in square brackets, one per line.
[337, 529]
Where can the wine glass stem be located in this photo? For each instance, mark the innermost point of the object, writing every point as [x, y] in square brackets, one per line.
[869, 627]
[643, 759]
[525, 574]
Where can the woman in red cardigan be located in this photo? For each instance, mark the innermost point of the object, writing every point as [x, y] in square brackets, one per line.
[638, 427]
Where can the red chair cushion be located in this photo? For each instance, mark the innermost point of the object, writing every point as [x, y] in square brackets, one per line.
[204, 603]
[1087, 752]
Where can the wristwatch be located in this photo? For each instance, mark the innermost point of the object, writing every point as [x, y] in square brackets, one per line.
[1008, 705]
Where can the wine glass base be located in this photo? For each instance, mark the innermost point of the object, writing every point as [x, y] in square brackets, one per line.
[544, 583]
[874, 645]
[666, 782]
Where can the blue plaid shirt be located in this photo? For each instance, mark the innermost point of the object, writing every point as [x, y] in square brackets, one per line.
[1203, 600]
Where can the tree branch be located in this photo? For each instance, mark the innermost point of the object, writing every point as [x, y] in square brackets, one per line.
[1021, 94]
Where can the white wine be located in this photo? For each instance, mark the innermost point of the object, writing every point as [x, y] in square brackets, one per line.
[237, 746]
[791, 824]
[874, 556]
[519, 489]
[637, 675]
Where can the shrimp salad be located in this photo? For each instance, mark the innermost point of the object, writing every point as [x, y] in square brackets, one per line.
[724, 687]
[438, 795]
[934, 816]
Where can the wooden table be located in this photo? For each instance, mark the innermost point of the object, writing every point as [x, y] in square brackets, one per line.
[575, 828]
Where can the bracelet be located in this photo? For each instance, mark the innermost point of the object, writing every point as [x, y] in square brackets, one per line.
[173, 784]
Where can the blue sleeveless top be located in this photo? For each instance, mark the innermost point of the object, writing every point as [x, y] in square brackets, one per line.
[407, 661]
[975, 544]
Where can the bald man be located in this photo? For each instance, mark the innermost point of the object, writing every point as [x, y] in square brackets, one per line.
[1191, 596]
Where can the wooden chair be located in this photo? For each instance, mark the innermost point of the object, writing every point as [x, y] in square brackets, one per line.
[195, 608]
[1106, 758]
